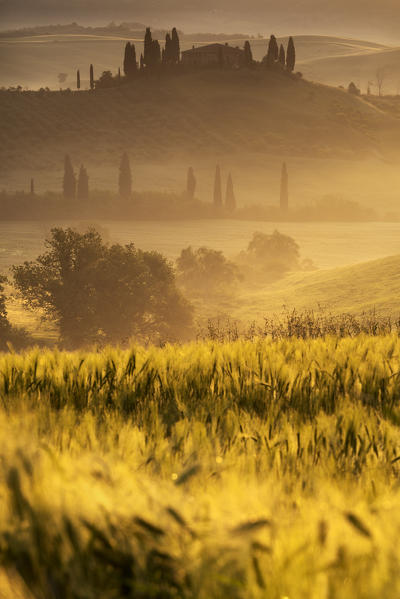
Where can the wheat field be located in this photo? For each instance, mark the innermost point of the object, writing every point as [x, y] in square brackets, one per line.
[243, 470]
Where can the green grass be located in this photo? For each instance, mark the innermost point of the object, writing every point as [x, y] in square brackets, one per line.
[244, 470]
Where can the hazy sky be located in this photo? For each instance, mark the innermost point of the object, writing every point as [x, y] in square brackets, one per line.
[376, 19]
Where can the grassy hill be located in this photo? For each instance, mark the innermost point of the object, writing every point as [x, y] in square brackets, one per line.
[354, 289]
[200, 115]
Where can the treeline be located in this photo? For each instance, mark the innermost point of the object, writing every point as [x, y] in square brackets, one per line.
[158, 57]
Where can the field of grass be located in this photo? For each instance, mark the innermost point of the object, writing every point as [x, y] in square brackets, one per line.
[245, 470]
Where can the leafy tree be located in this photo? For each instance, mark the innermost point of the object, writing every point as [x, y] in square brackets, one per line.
[290, 56]
[353, 89]
[276, 253]
[91, 77]
[205, 270]
[125, 177]
[78, 80]
[69, 181]
[282, 55]
[83, 184]
[248, 55]
[273, 51]
[284, 195]
[176, 50]
[106, 80]
[217, 188]
[191, 184]
[95, 292]
[230, 200]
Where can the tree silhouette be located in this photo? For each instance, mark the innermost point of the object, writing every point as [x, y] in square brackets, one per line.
[284, 196]
[78, 80]
[148, 44]
[130, 65]
[248, 55]
[290, 56]
[69, 181]
[217, 188]
[282, 55]
[32, 187]
[230, 200]
[83, 184]
[168, 55]
[191, 184]
[125, 177]
[176, 50]
[91, 77]
[273, 51]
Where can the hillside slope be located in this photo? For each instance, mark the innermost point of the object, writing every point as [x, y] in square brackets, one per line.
[362, 287]
[203, 113]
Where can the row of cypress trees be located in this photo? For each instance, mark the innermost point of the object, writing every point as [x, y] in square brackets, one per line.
[74, 188]
[278, 54]
[230, 199]
[152, 55]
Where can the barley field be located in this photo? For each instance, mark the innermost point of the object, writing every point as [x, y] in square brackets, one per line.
[244, 470]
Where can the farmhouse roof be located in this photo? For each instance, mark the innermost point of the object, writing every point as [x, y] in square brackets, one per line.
[211, 48]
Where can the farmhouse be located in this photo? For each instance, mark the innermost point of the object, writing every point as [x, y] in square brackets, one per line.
[221, 54]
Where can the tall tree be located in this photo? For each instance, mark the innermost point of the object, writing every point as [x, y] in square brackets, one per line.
[176, 50]
[217, 188]
[32, 187]
[248, 55]
[69, 181]
[290, 56]
[191, 184]
[91, 77]
[125, 177]
[141, 62]
[155, 53]
[130, 65]
[282, 55]
[148, 48]
[168, 54]
[78, 80]
[83, 184]
[230, 200]
[273, 51]
[284, 199]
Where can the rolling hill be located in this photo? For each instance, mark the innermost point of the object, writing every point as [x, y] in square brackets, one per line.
[355, 289]
[175, 118]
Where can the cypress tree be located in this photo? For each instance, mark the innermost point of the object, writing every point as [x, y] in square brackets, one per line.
[127, 59]
[217, 188]
[290, 56]
[191, 184]
[282, 55]
[125, 177]
[156, 53]
[130, 65]
[230, 200]
[273, 50]
[141, 62]
[148, 48]
[78, 80]
[83, 184]
[284, 199]
[32, 187]
[69, 181]
[176, 50]
[168, 55]
[248, 55]
[91, 78]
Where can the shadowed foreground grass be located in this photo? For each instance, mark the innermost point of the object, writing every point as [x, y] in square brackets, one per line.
[245, 470]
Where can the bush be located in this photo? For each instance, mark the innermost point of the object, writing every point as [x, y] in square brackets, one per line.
[100, 293]
[275, 254]
[205, 270]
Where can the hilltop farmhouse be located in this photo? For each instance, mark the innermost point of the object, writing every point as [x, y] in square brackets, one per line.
[219, 54]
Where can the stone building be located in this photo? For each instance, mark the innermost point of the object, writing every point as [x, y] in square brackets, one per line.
[213, 54]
